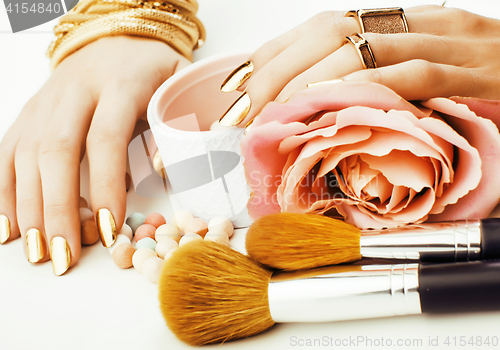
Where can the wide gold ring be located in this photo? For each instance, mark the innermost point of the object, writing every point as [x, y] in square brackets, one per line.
[363, 49]
[382, 21]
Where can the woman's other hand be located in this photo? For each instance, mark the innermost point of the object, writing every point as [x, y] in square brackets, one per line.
[90, 103]
[447, 52]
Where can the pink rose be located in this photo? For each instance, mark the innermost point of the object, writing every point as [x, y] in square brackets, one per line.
[360, 150]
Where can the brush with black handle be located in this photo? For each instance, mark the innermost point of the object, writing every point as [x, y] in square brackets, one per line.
[292, 242]
[211, 293]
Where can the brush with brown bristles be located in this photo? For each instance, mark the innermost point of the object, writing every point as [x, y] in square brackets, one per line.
[300, 241]
[211, 293]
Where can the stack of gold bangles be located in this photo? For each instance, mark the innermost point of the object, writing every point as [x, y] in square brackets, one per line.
[381, 21]
[171, 21]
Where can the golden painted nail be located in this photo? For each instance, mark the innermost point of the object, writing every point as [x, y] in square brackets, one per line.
[237, 112]
[4, 229]
[158, 165]
[60, 255]
[249, 124]
[107, 227]
[36, 246]
[327, 82]
[237, 77]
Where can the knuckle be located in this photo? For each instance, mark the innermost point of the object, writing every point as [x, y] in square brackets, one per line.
[375, 76]
[103, 139]
[61, 143]
[426, 70]
[55, 209]
[332, 25]
[467, 22]
[27, 204]
[273, 45]
[27, 146]
[323, 17]
[431, 7]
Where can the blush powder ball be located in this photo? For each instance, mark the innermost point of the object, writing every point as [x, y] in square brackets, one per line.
[135, 220]
[119, 240]
[146, 242]
[90, 235]
[151, 269]
[164, 246]
[196, 225]
[122, 255]
[86, 214]
[217, 236]
[189, 237]
[221, 223]
[167, 231]
[144, 231]
[180, 218]
[127, 231]
[155, 219]
[140, 256]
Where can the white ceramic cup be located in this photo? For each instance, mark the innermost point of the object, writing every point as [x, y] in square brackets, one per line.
[204, 168]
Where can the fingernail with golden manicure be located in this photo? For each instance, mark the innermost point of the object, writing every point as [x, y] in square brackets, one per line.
[237, 77]
[60, 255]
[107, 227]
[36, 246]
[328, 82]
[4, 229]
[249, 124]
[237, 112]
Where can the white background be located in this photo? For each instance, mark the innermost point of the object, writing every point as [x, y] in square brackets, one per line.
[98, 306]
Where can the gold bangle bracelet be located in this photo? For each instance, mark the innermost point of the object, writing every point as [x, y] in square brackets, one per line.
[94, 19]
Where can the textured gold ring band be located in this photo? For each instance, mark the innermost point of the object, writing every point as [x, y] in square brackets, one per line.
[382, 21]
[363, 49]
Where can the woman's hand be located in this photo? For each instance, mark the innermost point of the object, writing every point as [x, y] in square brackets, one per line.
[447, 52]
[91, 102]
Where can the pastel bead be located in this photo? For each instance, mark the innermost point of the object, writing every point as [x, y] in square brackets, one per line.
[151, 269]
[135, 220]
[140, 256]
[167, 231]
[189, 237]
[169, 254]
[122, 255]
[164, 246]
[86, 214]
[127, 231]
[119, 240]
[196, 225]
[89, 233]
[180, 218]
[155, 219]
[144, 231]
[221, 223]
[83, 203]
[217, 236]
[146, 242]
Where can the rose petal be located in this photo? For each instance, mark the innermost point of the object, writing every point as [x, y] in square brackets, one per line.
[483, 135]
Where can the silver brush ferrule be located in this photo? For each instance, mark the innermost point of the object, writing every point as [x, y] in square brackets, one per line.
[453, 241]
[344, 292]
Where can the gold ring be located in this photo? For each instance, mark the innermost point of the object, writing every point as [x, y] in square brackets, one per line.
[363, 49]
[382, 21]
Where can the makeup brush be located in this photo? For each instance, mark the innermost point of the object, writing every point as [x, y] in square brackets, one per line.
[290, 241]
[211, 293]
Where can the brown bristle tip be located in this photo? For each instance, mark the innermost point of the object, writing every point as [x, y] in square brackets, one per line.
[210, 293]
[289, 241]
